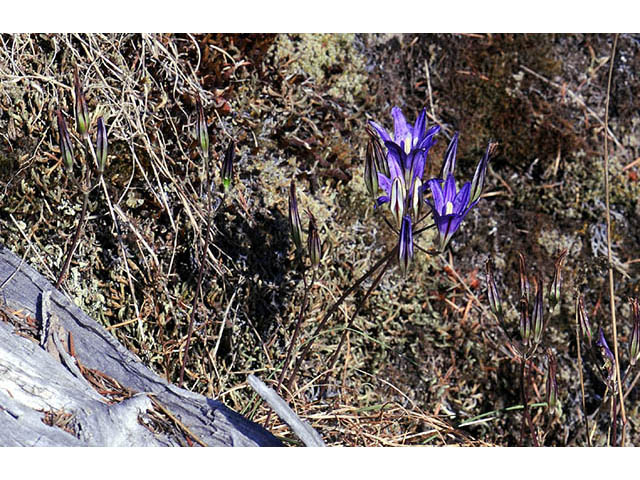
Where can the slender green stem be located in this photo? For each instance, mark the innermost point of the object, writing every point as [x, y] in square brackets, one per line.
[75, 241]
[332, 310]
[526, 420]
[334, 358]
[299, 321]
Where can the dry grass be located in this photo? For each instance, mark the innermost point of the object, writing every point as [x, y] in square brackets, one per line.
[419, 359]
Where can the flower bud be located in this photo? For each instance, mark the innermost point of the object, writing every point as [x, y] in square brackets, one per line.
[227, 165]
[525, 287]
[552, 384]
[82, 112]
[492, 292]
[313, 242]
[101, 146]
[66, 148]
[371, 171]
[416, 198]
[449, 164]
[202, 134]
[537, 318]
[481, 172]
[397, 200]
[378, 152]
[556, 284]
[405, 245]
[634, 341]
[525, 321]
[583, 321]
[294, 217]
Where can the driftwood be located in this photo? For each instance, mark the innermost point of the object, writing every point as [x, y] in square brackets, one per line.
[66, 381]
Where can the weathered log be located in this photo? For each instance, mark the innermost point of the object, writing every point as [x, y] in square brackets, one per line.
[50, 395]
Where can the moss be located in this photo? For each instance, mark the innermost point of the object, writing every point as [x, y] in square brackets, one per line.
[330, 60]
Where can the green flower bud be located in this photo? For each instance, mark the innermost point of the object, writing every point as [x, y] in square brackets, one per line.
[492, 292]
[66, 149]
[556, 284]
[583, 321]
[227, 165]
[294, 217]
[371, 171]
[202, 134]
[313, 242]
[101, 146]
[537, 318]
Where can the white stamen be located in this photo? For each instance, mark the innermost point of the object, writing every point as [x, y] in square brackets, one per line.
[408, 143]
[448, 208]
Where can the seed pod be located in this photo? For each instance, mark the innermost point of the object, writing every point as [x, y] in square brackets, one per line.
[82, 112]
[227, 165]
[313, 242]
[405, 245]
[101, 146]
[492, 292]
[371, 171]
[202, 134]
[294, 217]
[66, 148]
[397, 200]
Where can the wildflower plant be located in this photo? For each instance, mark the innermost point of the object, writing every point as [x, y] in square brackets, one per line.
[394, 175]
[86, 181]
[524, 342]
[400, 177]
[594, 349]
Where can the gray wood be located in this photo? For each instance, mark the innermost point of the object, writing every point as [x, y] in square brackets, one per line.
[302, 429]
[35, 380]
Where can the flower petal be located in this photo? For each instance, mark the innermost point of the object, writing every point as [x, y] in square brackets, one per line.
[419, 127]
[449, 190]
[382, 199]
[396, 159]
[438, 197]
[462, 198]
[384, 182]
[381, 131]
[429, 138]
[400, 126]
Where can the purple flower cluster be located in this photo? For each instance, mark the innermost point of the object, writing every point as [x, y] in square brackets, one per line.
[400, 174]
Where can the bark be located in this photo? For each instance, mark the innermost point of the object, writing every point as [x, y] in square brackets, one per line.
[96, 393]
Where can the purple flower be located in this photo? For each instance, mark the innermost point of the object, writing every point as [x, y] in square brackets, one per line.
[602, 343]
[607, 355]
[449, 206]
[406, 153]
